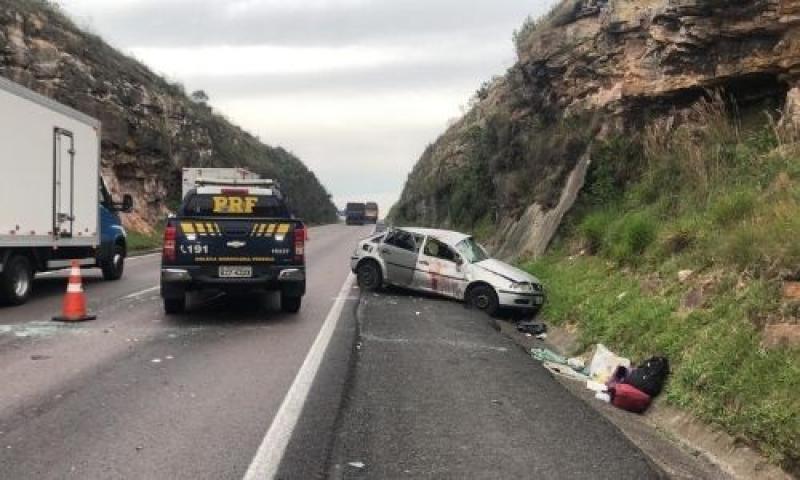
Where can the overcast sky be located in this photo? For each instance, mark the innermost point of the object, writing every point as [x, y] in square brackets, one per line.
[355, 88]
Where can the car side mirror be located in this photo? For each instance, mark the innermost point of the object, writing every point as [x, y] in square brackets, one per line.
[127, 203]
[459, 260]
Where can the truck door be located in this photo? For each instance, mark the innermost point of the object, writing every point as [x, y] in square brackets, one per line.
[399, 251]
[64, 181]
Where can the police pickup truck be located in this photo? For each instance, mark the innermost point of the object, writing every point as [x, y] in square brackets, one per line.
[233, 238]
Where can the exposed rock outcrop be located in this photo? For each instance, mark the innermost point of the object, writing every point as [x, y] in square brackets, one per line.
[590, 69]
[150, 127]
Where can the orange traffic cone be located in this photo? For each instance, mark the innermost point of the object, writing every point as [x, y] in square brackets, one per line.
[74, 301]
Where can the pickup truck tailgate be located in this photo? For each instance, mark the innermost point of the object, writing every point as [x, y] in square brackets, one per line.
[236, 241]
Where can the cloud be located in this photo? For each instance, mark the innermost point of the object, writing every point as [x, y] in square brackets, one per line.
[343, 22]
[356, 88]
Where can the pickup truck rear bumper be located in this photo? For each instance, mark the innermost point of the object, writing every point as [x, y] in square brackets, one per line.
[175, 281]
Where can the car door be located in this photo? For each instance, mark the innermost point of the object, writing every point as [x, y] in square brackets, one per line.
[440, 269]
[399, 252]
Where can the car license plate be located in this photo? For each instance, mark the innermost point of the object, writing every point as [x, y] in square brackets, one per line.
[235, 272]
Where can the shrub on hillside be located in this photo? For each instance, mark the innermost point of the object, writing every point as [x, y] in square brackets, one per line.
[631, 236]
[733, 207]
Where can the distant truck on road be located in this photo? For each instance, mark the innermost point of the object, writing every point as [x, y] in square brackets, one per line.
[191, 175]
[233, 238]
[371, 213]
[355, 213]
[54, 206]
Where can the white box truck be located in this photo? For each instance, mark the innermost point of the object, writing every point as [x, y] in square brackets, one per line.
[54, 207]
[192, 175]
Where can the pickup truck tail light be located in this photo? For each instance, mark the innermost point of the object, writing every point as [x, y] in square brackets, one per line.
[299, 244]
[170, 235]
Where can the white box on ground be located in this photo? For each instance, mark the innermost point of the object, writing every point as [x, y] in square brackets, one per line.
[50, 158]
[191, 175]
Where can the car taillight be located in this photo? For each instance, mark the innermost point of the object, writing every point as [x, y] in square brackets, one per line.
[170, 234]
[299, 244]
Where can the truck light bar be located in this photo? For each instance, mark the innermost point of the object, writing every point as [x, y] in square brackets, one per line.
[264, 183]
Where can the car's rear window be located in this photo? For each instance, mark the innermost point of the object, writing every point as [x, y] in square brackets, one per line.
[235, 205]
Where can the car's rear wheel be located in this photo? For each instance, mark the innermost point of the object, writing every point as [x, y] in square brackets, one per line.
[290, 304]
[16, 281]
[369, 276]
[175, 305]
[483, 297]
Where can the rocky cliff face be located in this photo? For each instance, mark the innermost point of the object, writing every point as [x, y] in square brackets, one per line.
[512, 167]
[150, 128]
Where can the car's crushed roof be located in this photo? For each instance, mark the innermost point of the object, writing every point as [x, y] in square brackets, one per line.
[447, 236]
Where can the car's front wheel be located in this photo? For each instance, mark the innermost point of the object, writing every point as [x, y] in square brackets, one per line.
[369, 276]
[483, 297]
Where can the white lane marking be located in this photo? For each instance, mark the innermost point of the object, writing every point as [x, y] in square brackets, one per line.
[270, 453]
[141, 292]
[139, 257]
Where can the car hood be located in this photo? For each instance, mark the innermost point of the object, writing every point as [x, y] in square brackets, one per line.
[506, 271]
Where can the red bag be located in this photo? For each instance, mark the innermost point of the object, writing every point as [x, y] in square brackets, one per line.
[628, 397]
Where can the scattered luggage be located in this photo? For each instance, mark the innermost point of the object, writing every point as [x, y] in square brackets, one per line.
[630, 398]
[650, 376]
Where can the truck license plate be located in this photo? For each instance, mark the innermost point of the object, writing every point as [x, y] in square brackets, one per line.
[235, 272]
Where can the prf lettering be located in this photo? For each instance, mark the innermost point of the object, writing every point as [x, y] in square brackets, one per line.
[234, 204]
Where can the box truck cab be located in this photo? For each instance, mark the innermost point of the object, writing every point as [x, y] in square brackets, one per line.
[54, 207]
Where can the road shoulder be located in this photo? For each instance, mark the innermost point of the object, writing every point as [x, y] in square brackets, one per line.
[438, 393]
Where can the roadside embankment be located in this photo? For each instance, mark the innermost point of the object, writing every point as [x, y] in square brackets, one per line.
[684, 243]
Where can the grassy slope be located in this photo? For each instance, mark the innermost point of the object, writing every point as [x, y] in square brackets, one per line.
[722, 200]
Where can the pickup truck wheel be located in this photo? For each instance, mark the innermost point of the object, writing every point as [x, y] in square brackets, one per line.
[483, 297]
[291, 304]
[174, 306]
[16, 281]
[369, 276]
[113, 267]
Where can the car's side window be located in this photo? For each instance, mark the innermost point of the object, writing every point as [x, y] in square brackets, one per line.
[435, 248]
[403, 240]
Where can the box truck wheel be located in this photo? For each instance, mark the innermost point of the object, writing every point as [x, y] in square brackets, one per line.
[16, 280]
[114, 266]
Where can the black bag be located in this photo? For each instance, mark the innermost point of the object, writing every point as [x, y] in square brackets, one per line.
[650, 376]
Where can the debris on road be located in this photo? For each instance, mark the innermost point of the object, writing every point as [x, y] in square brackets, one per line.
[40, 357]
[565, 371]
[534, 328]
[604, 363]
[547, 355]
[156, 360]
[357, 464]
[610, 376]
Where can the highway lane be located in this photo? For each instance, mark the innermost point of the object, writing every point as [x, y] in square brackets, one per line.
[137, 394]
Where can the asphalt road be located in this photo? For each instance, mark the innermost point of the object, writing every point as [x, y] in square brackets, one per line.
[408, 387]
[137, 394]
[436, 392]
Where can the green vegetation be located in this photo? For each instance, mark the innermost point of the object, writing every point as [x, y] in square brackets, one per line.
[702, 193]
[141, 242]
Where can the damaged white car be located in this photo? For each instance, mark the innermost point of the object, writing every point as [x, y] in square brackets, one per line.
[446, 263]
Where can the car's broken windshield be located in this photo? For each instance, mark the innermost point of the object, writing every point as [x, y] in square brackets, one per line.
[471, 251]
